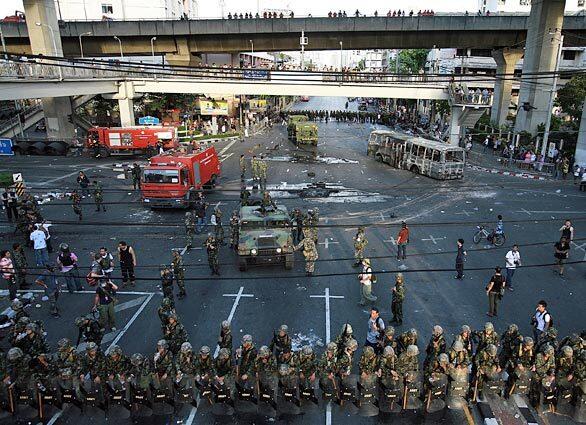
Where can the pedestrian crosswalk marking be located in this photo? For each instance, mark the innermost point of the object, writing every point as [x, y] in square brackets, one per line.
[391, 240]
[434, 240]
[237, 298]
[464, 212]
[327, 242]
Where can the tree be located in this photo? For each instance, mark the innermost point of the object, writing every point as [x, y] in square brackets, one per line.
[410, 61]
[571, 97]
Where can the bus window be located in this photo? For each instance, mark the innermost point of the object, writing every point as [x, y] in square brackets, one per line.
[420, 151]
[436, 156]
[428, 153]
[454, 156]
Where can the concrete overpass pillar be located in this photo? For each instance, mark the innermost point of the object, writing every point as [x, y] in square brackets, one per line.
[126, 104]
[455, 127]
[183, 57]
[543, 36]
[580, 155]
[506, 59]
[46, 40]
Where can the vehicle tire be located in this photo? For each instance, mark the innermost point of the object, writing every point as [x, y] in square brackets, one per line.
[498, 240]
[104, 152]
[477, 237]
[242, 265]
[414, 169]
[378, 158]
[289, 261]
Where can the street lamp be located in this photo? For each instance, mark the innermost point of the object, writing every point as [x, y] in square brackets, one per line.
[251, 53]
[120, 44]
[39, 24]
[153, 47]
[80, 43]
[302, 43]
[341, 45]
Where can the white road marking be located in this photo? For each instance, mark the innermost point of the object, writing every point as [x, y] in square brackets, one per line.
[391, 240]
[38, 291]
[327, 297]
[55, 417]
[130, 322]
[226, 157]
[434, 240]
[382, 216]
[464, 212]
[580, 247]
[228, 146]
[550, 212]
[46, 182]
[129, 304]
[523, 210]
[327, 242]
[237, 299]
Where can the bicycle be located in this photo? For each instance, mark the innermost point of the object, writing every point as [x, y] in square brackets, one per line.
[497, 239]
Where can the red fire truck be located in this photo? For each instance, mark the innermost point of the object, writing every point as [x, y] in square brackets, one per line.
[106, 141]
[172, 180]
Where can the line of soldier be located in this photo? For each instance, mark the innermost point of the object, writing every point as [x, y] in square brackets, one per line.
[391, 371]
[384, 118]
[258, 168]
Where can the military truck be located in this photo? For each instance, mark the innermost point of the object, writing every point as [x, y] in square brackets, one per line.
[264, 237]
[291, 121]
[305, 133]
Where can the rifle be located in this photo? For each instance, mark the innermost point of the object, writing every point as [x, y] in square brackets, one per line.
[11, 398]
[475, 393]
[405, 392]
[40, 401]
[428, 400]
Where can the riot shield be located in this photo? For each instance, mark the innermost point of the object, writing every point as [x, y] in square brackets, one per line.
[349, 393]
[92, 398]
[24, 402]
[117, 395]
[288, 401]
[368, 396]
[267, 395]
[48, 400]
[412, 392]
[309, 400]
[519, 382]
[185, 390]
[222, 390]
[579, 414]
[329, 387]
[564, 397]
[391, 393]
[162, 395]
[245, 399]
[493, 384]
[547, 394]
[458, 388]
[435, 396]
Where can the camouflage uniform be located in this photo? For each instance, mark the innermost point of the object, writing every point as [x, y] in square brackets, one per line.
[179, 272]
[580, 368]
[185, 363]
[327, 366]
[246, 355]
[189, 228]
[136, 173]
[175, 334]
[511, 342]
[487, 363]
[389, 338]
[344, 336]
[544, 364]
[406, 339]
[307, 366]
[99, 196]
[368, 362]
[486, 337]
[398, 296]
[265, 366]
[66, 356]
[164, 311]
[204, 364]
[163, 366]
[218, 229]
[408, 361]
[242, 167]
[289, 357]
[309, 252]
[387, 364]
[92, 364]
[436, 345]
[17, 368]
[140, 372]
[254, 167]
[33, 343]
[76, 204]
[117, 367]
[20, 265]
[459, 356]
[565, 363]
[262, 173]
[360, 243]
[223, 364]
[212, 248]
[280, 342]
[225, 338]
[167, 280]
[234, 230]
[89, 330]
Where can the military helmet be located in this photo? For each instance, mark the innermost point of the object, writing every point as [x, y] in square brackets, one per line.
[63, 247]
[172, 316]
[264, 351]
[66, 373]
[369, 351]
[458, 346]
[136, 359]
[361, 228]
[548, 349]
[347, 329]
[224, 353]
[443, 358]
[186, 347]
[225, 324]
[488, 326]
[188, 214]
[283, 369]
[413, 332]
[14, 353]
[307, 350]
[32, 327]
[166, 302]
[513, 328]
[388, 351]
[399, 278]
[491, 349]
[63, 344]
[332, 347]
[567, 351]
[553, 332]
[465, 328]
[204, 350]
[79, 321]
[528, 341]
[412, 350]
[438, 330]
[91, 346]
[16, 305]
[115, 350]
[352, 344]
[389, 331]
[247, 339]
[162, 343]
[284, 328]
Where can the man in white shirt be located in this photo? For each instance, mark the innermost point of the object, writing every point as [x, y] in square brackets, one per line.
[512, 261]
[541, 320]
[39, 238]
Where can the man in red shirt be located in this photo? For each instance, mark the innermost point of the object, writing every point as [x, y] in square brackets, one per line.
[402, 241]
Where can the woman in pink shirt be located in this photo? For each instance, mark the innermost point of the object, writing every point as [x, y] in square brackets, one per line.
[7, 270]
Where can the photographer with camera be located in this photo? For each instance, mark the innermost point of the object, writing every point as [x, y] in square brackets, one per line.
[512, 261]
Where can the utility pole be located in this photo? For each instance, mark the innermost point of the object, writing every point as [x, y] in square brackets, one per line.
[3, 44]
[552, 95]
[302, 43]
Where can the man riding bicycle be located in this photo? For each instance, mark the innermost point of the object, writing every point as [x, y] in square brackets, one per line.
[499, 230]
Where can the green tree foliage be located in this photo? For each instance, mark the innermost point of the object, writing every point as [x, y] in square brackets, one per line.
[410, 61]
[571, 97]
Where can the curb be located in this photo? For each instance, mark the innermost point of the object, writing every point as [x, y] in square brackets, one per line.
[507, 173]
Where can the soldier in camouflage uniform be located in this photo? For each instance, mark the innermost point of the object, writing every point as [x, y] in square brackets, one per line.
[327, 368]
[189, 228]
[218, 229]
[408, 361]
[19, 327]
[281, 341]
[487, 364]
[440, 365]
[92, 366]
[313, 222]
[44, 372]
[368, 363]
[486, 337]
[387, 364]
[117, 369]
[18, 307]
[544, 368]
[225, 338]
[344, 336]
[163, 368]
[32, 343]
[175, 333]
[234, 230]
[344, 361]
[510, 342]
[389, 338]
[565, 365]
[140, 376]
[17, 369]
[179, 272]
[309, 252]
[307, 367]
[167, 280]
[265, 367]
[89, 330]
[465, 336]
[290, 357]
[164, 311]
[580, 368]
[406, 339]
[297, 223]
[360, 243]
[255, 170]
[213, 248]
[575, 341]
[223, 365]
[458, 356]
[262, 172]
[436, 346]
[245, 356]
[398, 296]
[76, 204]
[20, 265]
[242, 162]
[185, 367]
[99, 196]
[204, 367]
[66, 356]
[524, 357]
[549, 337]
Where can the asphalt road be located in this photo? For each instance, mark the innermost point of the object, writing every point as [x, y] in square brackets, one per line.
[370, 193]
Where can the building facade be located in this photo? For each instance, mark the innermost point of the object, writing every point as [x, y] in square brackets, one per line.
[120, 10]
